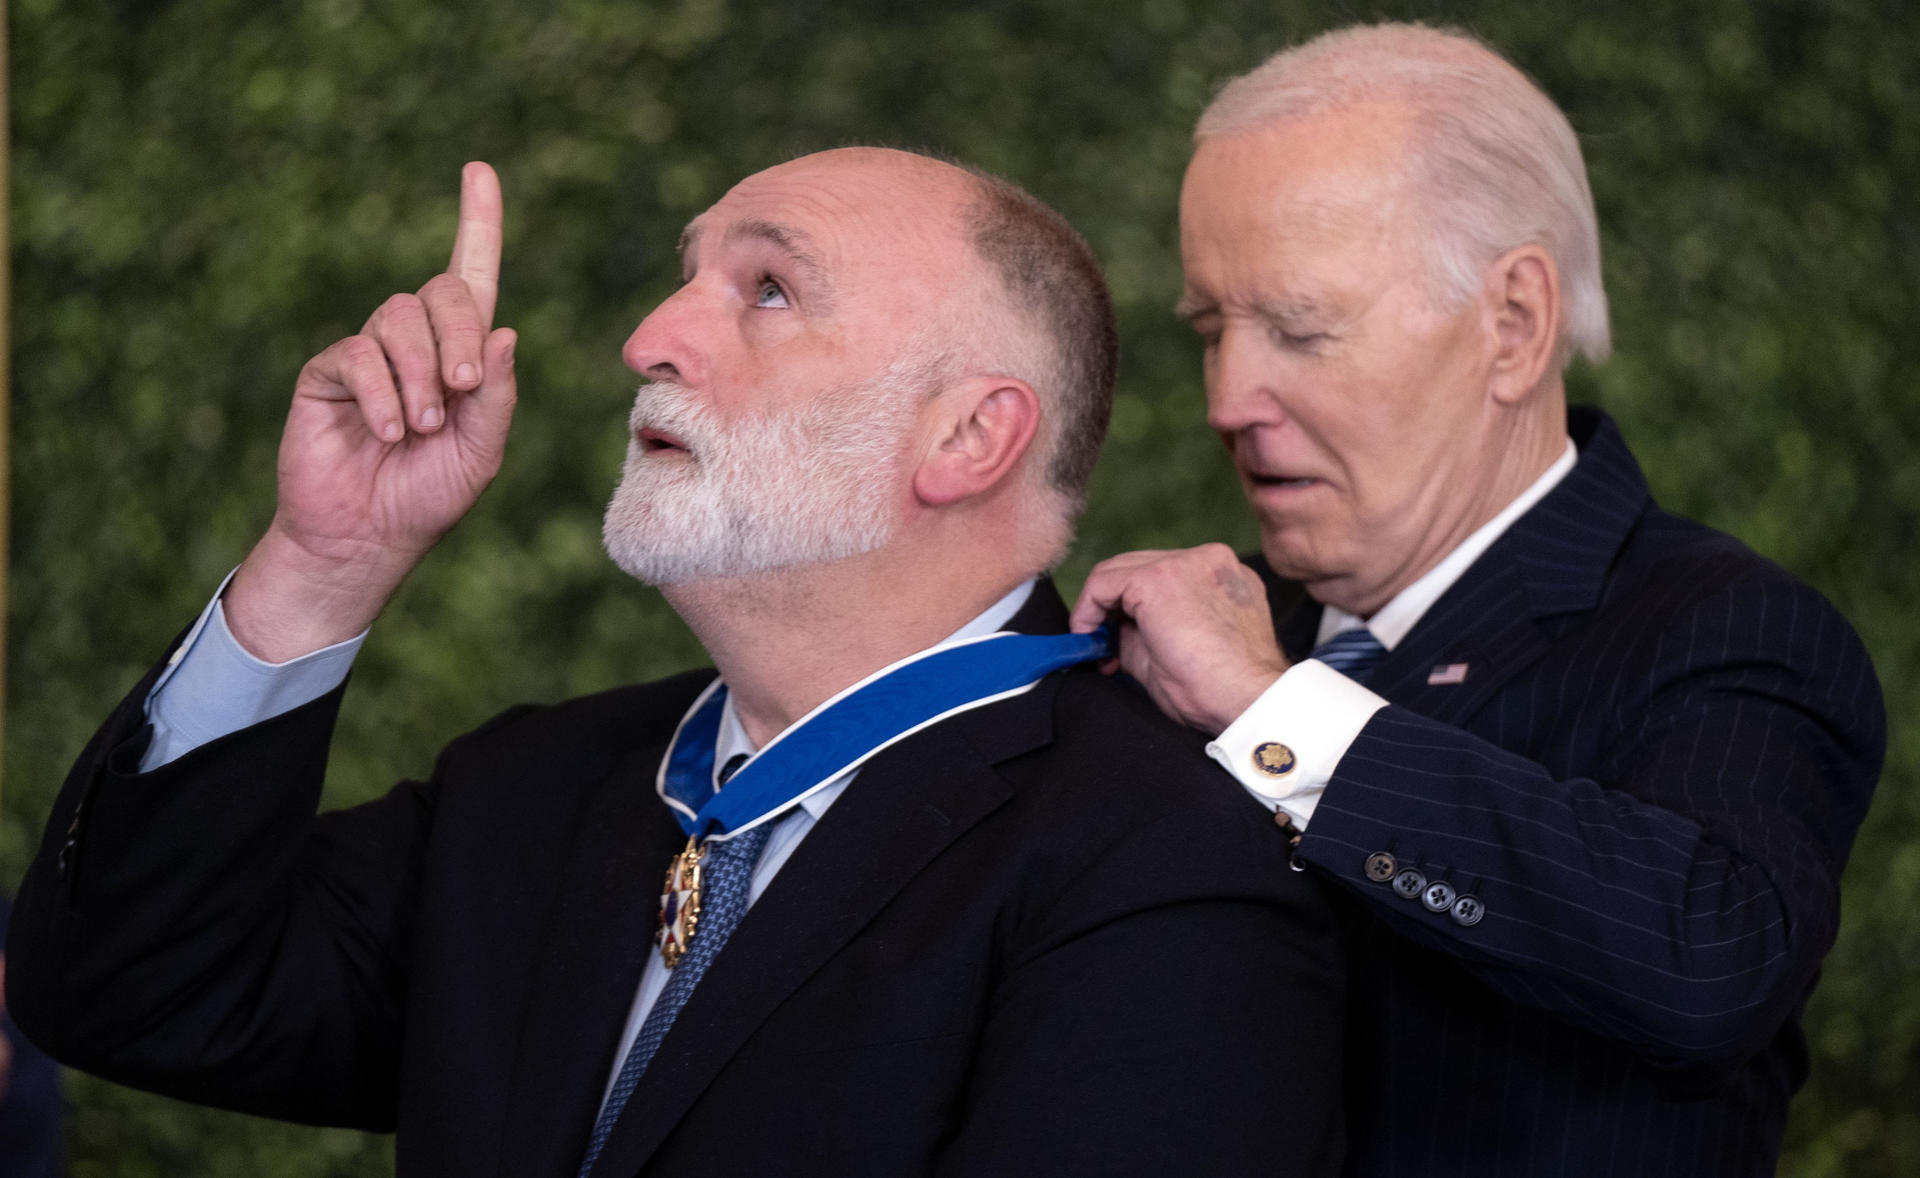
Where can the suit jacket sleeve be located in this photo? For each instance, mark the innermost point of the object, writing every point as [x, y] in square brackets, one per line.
[1680, 895]
[197, 931]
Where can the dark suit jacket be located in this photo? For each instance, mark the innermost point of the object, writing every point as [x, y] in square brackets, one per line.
[30, 1105]
[1648, 783]
[1040, 937]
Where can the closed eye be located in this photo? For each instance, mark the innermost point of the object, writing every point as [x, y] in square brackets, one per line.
[1299, 340]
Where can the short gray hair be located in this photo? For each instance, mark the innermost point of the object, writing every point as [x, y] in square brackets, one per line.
[1496, 160]
[1053, 283]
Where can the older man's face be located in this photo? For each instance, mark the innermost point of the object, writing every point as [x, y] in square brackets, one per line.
[1355, 409]
[781, 409]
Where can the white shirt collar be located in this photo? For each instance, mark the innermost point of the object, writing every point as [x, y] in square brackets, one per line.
[732, 738]
[1398, 617]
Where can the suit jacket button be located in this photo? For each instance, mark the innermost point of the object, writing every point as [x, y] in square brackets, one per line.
[1409, 884]
[1468, 910]
[1380, 867]
[1438, 897]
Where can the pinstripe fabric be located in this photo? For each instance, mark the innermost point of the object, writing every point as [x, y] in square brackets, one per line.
[1650, 778]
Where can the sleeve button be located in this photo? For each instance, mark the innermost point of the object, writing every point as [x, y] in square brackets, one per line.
[1409, 884]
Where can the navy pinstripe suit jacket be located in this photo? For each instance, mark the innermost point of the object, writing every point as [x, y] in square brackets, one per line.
[1648, 780]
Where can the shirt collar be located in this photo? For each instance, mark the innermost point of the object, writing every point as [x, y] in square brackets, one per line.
[1398, 617]
[733, 739]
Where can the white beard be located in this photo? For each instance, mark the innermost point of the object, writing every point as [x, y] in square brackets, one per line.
[764, 493]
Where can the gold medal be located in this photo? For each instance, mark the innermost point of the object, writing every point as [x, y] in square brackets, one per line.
[680, 904]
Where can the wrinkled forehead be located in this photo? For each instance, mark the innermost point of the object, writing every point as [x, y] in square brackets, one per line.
[1335, 183]
[1343, 161]
[864, 221]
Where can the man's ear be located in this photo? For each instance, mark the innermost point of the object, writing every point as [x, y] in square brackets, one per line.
[981, 427]
[1522, 293]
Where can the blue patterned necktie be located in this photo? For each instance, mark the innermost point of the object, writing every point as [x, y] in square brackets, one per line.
[726, 878]
[1354, 653]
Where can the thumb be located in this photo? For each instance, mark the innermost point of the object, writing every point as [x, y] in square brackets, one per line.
[498, 388]
[1099, 598]
[487, 411]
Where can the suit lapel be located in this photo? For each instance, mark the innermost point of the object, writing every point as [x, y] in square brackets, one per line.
[906, 806]
[1483, 623]
[600, 930]
[1492, 623]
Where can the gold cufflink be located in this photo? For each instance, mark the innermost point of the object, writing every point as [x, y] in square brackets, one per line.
[1274, 759]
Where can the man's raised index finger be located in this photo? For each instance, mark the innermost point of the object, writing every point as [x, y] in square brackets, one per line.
[476, 246]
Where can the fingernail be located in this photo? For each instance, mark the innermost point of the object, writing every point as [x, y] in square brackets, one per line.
[466, 374]
[507, 356]
[430, 417]
[392, 431]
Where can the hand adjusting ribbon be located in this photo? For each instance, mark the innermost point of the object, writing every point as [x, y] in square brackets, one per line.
[838, 736]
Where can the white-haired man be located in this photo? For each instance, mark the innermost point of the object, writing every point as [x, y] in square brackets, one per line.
[930, 905]
[1592, 771]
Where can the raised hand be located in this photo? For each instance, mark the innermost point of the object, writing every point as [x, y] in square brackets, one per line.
[392, 435]
[1194, 629]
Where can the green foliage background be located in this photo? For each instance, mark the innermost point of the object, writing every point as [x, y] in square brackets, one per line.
[207, 192]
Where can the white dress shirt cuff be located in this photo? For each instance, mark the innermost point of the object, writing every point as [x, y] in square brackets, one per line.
[213, 687]
[1284, 748]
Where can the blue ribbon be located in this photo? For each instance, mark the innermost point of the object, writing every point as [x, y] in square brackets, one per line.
[844, 732]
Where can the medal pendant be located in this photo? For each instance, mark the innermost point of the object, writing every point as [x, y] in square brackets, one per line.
[680, 904]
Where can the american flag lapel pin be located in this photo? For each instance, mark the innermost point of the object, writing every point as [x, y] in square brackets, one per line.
[1447, 675]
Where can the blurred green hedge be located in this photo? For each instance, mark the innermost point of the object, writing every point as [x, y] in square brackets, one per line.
[207, 192]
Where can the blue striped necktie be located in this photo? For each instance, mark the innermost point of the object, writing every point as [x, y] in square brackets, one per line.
[1354, 653]
[727, 879]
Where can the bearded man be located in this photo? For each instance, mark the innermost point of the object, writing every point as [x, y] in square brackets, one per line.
[933, 902]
